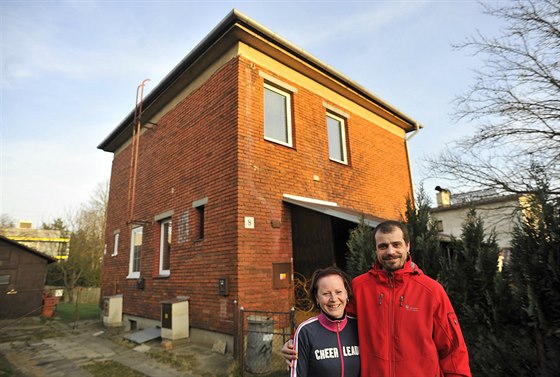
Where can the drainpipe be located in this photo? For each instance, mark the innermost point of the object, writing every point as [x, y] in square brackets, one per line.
[406, 139]
[135, 141]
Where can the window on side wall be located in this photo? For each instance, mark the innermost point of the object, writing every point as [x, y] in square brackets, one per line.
[135, 253]
[199, 207]
[116, 244]
[165, 248]
[277, 115]
[337, 138]
[199, 222]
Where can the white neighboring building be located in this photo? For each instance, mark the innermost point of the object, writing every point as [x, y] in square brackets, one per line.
[499, 213]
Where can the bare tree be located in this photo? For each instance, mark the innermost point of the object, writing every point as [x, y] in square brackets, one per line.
[87, 227]
[6, 221]
[514, 103]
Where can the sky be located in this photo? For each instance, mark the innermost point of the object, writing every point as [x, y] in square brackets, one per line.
[69, 72]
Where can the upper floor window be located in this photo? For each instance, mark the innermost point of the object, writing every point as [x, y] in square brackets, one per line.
[135, 253]
[277, 115]
[165, 248]
[337, 138]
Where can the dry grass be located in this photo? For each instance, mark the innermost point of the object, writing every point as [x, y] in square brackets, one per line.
[111, 368]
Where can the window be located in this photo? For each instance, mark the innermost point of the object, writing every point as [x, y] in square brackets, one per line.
[277, 115]
[199, 206]
[337, 138]
[116, 244]
[4, 279]
[199, 222]
[135, 253]
[439, 226]
[165, 248]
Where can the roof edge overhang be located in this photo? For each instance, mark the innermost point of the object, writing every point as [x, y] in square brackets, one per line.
[332, 209]
[236, 27]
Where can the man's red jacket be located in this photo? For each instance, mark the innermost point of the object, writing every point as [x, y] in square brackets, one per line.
[406, 325]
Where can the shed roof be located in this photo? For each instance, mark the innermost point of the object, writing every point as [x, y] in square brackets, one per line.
[237, 27]
[27, 249]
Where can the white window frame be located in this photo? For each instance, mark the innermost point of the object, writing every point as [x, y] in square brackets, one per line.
[341, 137]
[134, 274]
[116, 244]
[288, 113]
[165, 224]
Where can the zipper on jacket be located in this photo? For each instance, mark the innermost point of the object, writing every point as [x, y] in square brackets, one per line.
[402, 299]
[391, 326]
[380, 298]
[341, 355]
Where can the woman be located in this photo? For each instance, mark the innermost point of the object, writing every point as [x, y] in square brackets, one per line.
[327, 345]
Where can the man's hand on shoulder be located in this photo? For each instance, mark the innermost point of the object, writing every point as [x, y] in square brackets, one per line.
[288, 352]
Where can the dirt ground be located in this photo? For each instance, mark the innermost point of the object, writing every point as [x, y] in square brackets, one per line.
[37, 347]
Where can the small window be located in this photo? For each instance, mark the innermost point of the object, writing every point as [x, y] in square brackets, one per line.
[199, 226]
[277, 115]
[337, 138]
[135, 253]
[439, 225]
[116, 244]
[165, 248]
[4, 279]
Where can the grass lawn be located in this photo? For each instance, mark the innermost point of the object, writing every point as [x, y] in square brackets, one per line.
[67, 311]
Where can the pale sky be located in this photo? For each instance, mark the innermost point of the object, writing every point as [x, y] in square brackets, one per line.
[69, 72]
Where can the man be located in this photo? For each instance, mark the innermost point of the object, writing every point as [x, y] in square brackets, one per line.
[406, 324]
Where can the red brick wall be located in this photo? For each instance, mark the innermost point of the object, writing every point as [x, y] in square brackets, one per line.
[190, 154]
[211, 145]
[375, 181]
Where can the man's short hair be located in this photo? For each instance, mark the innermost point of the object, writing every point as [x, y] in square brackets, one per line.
[388, 226]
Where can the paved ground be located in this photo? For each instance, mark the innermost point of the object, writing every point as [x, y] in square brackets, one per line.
[39, 348]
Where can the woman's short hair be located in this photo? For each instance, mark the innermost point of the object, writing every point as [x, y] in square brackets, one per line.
[328, 271]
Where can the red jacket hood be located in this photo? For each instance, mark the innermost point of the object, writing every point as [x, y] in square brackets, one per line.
[409, 268]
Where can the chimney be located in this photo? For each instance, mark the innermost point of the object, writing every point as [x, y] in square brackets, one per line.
[443, 197]
[25, 224]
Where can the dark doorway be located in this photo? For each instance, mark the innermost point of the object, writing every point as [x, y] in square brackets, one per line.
[318, 240]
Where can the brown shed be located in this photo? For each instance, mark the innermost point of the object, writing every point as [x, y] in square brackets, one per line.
[22, 279]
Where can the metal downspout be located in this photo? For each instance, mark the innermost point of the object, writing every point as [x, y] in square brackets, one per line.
[406, 140]
[137, 126]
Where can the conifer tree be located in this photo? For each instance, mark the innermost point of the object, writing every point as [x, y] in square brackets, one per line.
[361, 250]
[470, 281]
[535, 272]
[424, 241]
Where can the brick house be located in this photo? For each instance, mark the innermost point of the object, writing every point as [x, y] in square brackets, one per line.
[253, 161]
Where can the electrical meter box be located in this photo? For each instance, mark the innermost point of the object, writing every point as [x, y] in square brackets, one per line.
[175, 319]
[112, 311]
